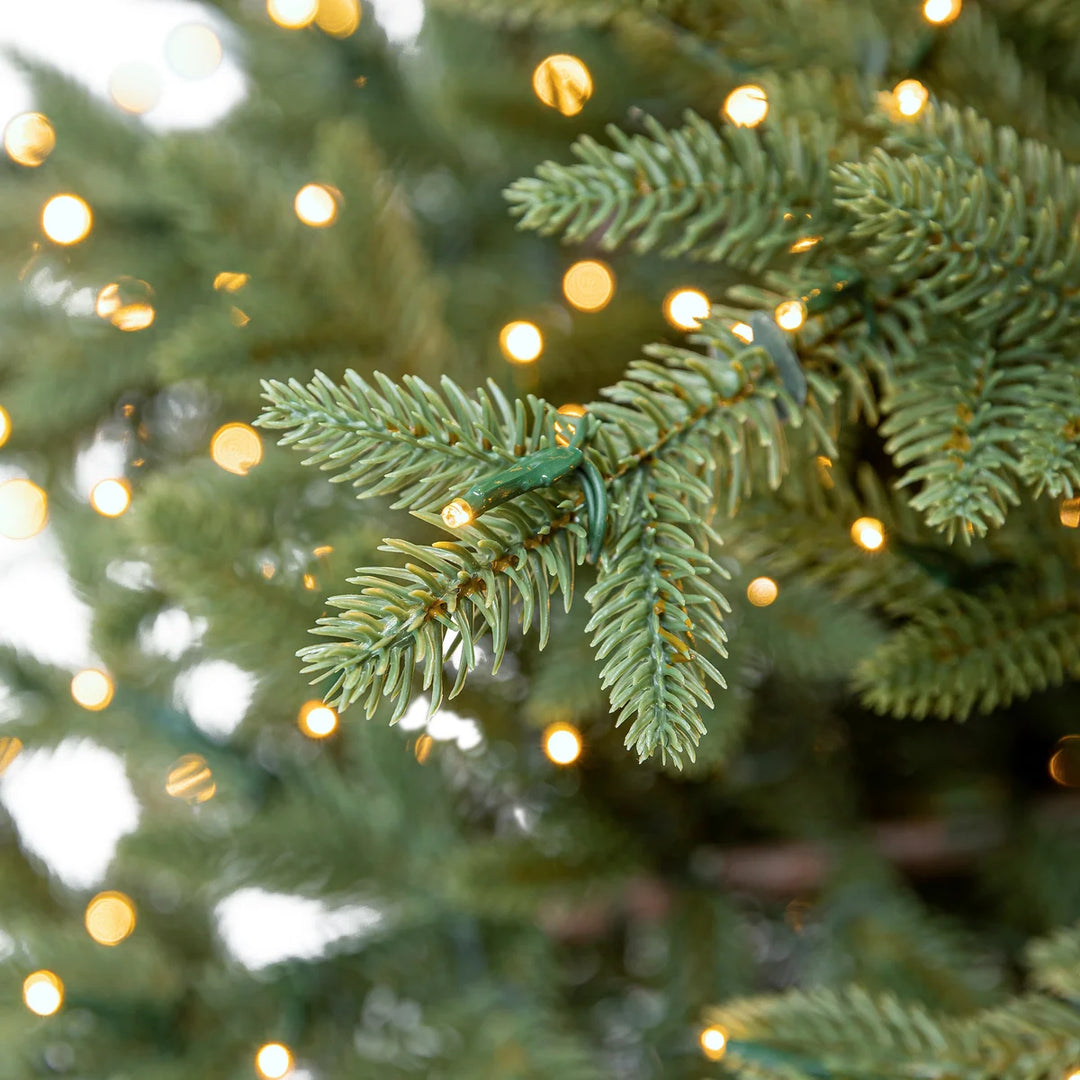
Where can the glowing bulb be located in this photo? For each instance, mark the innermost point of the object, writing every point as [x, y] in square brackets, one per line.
[457, 513]
[1070, 508]
[562, 744]
[193, 51]
[563, 82]
[111, 497]
[564, 431]
[805, 244]
[236, 448]
[713, 1043]
[190, 779]
[43, 992]
[589, 285]
[939, 12]
[135, 87]
[762, 591]
[744, 332]
[24, 509]
[746, 106]
[66, 219]
[110, 917]
[1064, 764]
[317, 720]
[10, 749]
[868, 533]
[133, 317]
[791, 314]
[92, 689]
[5, 425]
[292, 14]
[338, 18]
[521, 342]
[910, 97]
[315, 206]
[1073, 1075]
[273, 1061]
[227, 281]
[685, 308]
[29, 139]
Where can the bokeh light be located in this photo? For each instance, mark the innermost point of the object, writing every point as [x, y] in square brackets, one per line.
[563, 82]
[589, 285]
[110, 498]
[43, 992]
[5, 425]
[193, 51]
[135, 87]
[125, 303]
[910, 97]
[66, 219]
[791, 314]
[10, 749]
[805, 244]
[315, 205]
[521, 341]
[562, 743]
[713, 1042]
[746, 105]
[762, 591]
[236, 448]
[110, 917]
[29, 138]
[1064, 764]
[24, 509]
[339, 18]
[92, 689]
[190, 779]
[868, 533]
[940, 12]
[1069, 511]
[292, 14]
[317, 720]
[744, 332]
[685, 308]
[133, 317]
[273, 1061]
[228, 281]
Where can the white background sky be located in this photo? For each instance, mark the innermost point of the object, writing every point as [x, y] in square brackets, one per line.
[73, 803]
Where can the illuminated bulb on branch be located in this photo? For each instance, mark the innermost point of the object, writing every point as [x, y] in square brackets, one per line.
[744, 332]
[563, 82]
[910, 97]
[762, 591]
[521, 342]
[110, 498]
[92, 689]
[273, 1061]
[5, 425]
[317, 720]
[563, 430]
[236, 447]
[24, 509]
[791, 314]
[190, 779]
[66, 219]
[868, 533]
[292, 14]
[562, 744]
[713, 1042]
[940, 12]
[457, 513]
[746, 106]
[685, 308]
[29, 139]
[315, 205]
[589, 285]
[43, 992]
[110, 918]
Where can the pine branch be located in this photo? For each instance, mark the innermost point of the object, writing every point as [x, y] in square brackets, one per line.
[1055, 963]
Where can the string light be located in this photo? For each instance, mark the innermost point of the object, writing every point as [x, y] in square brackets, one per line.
[110, 498]
[135, 87]
[227, 281]
[589, 285]
[562, 743]
[43, 992]
[193, 51]
[66, 219]
[563, 430]
[457, 513]
[685, 308]
[133, 317]
[940, 12]
[563, 82]
[24, 509]
[317, 720]
[746, 106]
[92, 689]
[110, 918]
[236, 447]
[1070, 509]
[713, 1042]
[790, 315]
[315, 205]
[805, 244]
[338, 18]
[744, 332]
[422, 749]
[521, 342]
[190, 779]
[273, 1061]
[124, 312]
[868, 533]
[292, 14]
[322, 549]
[10, 749]
[1064, 764]
[910, 96]
[29, 139]
[309, 582]
[5, 425]
[762, 591]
